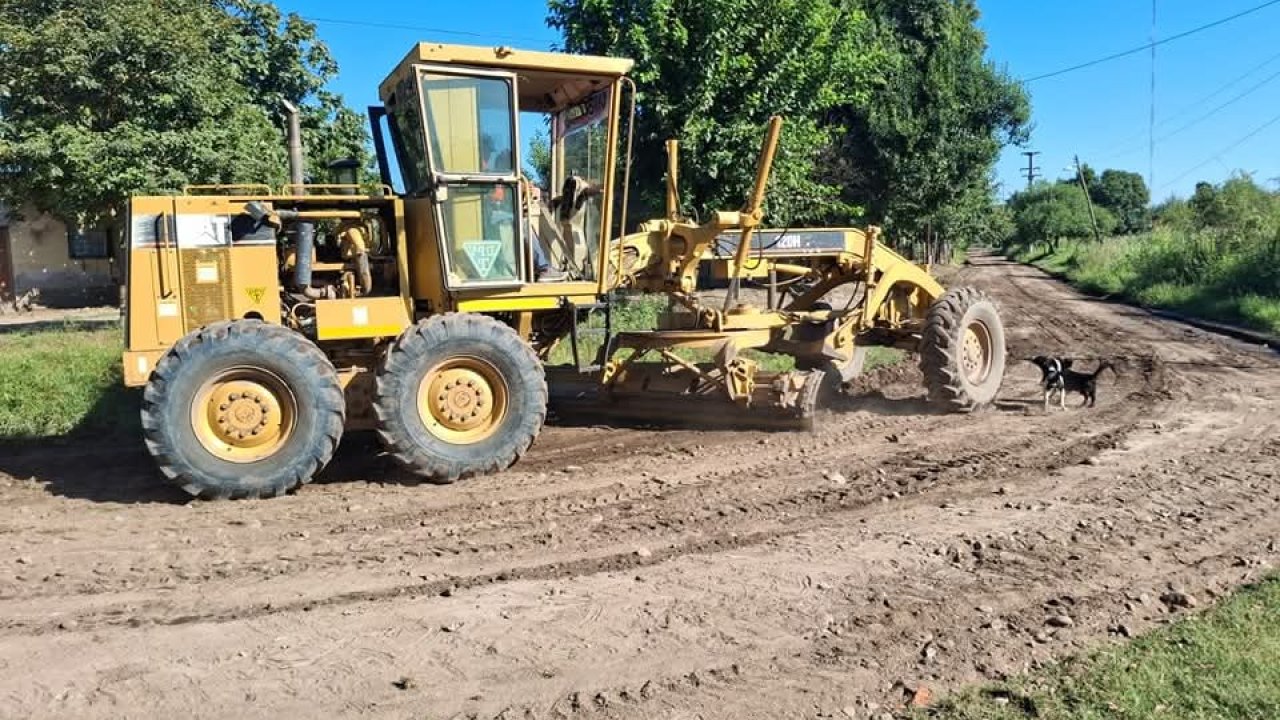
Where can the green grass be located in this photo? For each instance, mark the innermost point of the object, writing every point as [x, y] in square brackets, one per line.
[641, 313]
[1205, 274]
[1221, 665]
[58, 382]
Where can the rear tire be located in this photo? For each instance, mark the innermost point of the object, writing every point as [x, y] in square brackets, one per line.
[962, 351]
[459, 395]
[242, 409]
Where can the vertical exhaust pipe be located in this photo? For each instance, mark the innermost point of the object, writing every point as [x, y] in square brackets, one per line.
[305, 231]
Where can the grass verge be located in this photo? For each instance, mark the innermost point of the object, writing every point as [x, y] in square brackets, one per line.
[1191, 275]
[60, 382]
[1221, 665]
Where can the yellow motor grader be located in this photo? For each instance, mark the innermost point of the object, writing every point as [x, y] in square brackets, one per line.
[264, 323]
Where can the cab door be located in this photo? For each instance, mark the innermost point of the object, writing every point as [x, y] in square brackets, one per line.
[473, 158]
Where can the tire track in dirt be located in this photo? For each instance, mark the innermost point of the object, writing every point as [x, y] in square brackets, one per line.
[789, 507]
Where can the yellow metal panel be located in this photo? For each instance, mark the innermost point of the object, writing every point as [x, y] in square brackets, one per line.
[256, 285]
[488, 305]
[154, 293]
[541, 290]
[206, 281]
[138, 366]
[360, 318]
[754, 321]
[425, 273]
[535, 296]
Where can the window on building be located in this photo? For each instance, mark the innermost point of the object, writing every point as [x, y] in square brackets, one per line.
[88, 245]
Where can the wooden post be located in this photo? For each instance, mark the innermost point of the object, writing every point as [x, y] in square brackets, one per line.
[1093, 216]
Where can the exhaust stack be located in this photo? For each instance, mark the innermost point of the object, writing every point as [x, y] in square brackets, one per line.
[305, 233]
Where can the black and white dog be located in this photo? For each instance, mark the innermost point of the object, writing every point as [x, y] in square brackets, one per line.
[1052, 378]
[1058, 377]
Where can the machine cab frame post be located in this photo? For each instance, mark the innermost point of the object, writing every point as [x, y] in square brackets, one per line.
[453, 117]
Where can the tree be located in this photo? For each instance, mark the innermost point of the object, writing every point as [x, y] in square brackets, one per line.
[711, 72]
[1049, 212]
[282, 58]
[1126, 195]
[919, 152]
[1208, 207]
[102, 99]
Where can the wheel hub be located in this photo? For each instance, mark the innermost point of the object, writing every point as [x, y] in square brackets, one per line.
[462, 401]
[975, 353]
[242, 418]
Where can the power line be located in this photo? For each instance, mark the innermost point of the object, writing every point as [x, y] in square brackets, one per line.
[422, 28]
[1255, 88]
[1154, 44]
[1128, 146]
[1226, 150]
[1187, 126]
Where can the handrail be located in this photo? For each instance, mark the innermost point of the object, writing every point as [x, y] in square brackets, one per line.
[256, 187]
[292, 189]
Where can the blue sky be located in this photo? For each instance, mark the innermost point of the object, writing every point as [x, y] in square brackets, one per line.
[1101, 113]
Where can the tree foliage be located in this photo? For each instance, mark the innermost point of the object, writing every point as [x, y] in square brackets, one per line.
[893, 114]
[1240, 206]
[1049, 212]
[1126, 195]
[101, 99]
[711, 72]
[282, 58]
[920, 152]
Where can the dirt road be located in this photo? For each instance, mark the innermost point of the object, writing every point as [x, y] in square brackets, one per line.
[642, 574]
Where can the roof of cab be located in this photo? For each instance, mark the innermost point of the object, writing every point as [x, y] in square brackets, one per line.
[505, 58]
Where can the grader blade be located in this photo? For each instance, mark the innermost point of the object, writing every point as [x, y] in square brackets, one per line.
[680, 397]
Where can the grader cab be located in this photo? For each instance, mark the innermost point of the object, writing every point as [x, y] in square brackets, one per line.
[265, 323]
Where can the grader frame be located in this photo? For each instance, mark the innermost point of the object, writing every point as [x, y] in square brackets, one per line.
[265, 324]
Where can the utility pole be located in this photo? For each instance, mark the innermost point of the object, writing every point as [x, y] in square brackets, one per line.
[1084, 185]
[1032, 172]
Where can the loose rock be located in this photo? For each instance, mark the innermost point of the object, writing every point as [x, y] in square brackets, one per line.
[1179, 599]
[405, 683]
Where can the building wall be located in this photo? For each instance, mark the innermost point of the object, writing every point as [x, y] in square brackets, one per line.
[41, 259]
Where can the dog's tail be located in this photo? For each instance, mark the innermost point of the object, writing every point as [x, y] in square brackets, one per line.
[1106, 365]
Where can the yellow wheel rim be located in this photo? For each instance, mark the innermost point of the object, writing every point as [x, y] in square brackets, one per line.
[975, 354]
[244, 415]
[462, 400]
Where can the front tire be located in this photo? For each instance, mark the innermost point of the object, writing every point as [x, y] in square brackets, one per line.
[242, 409]
[459, 395]
[962, 351]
